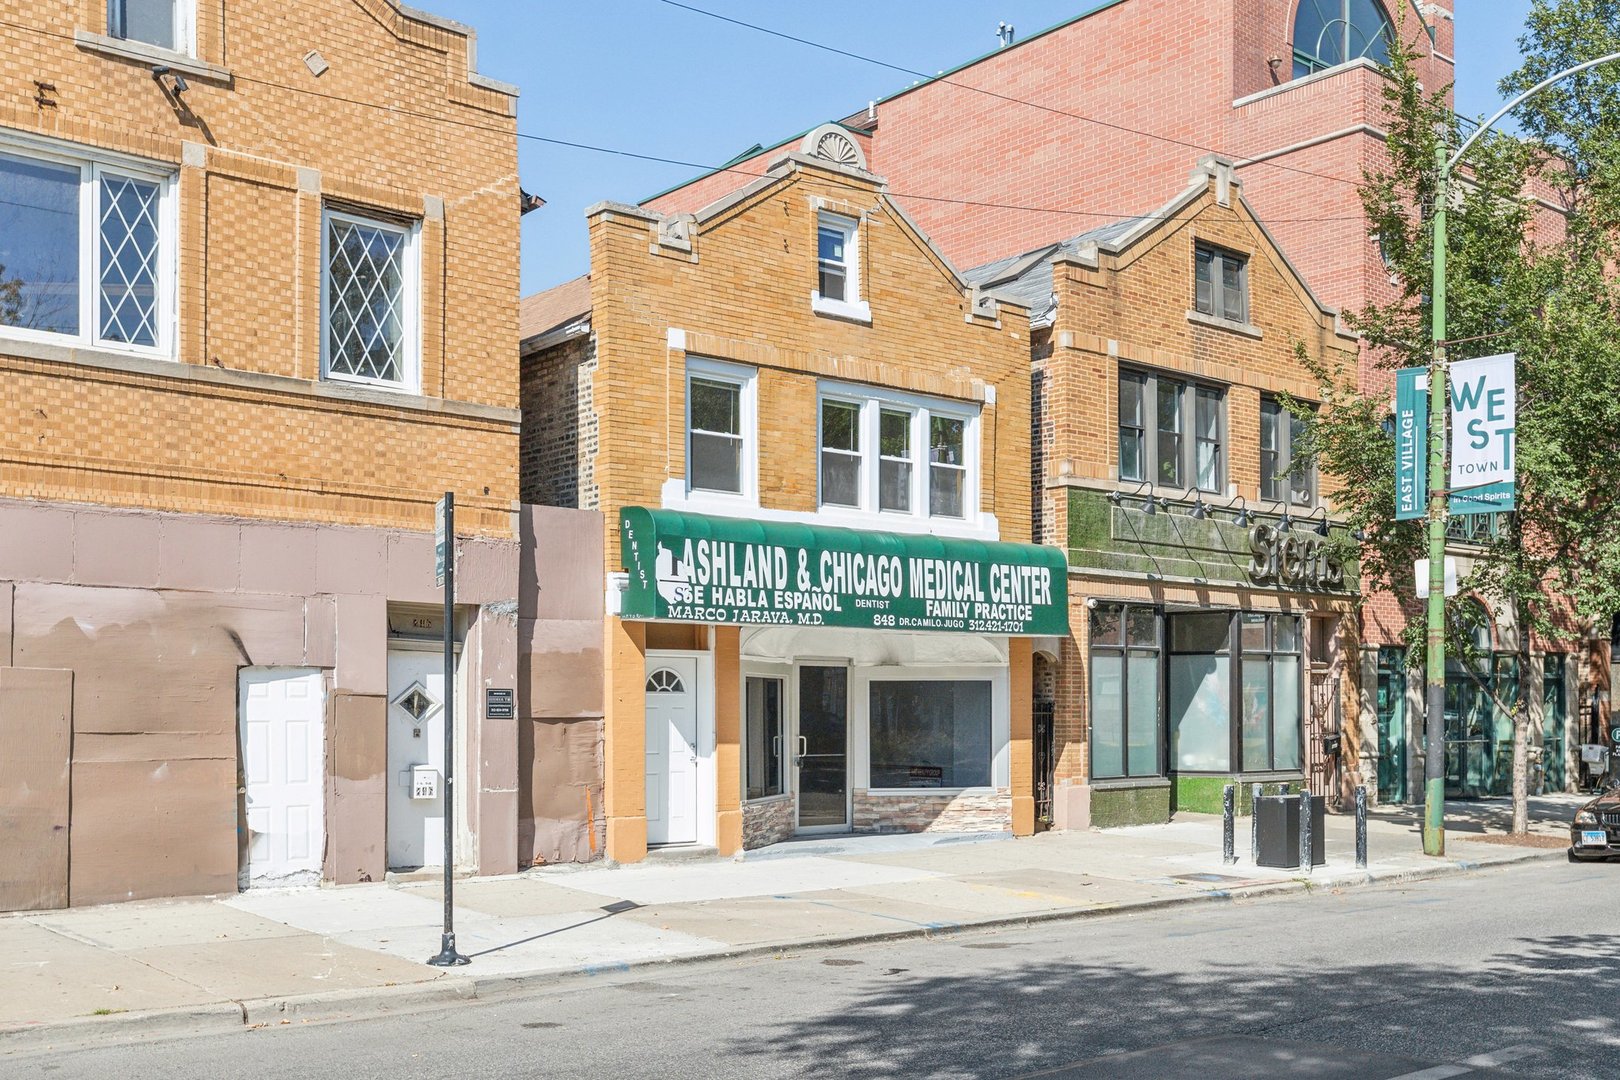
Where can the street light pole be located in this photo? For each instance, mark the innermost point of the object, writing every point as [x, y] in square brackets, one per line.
[1434, 760]
[1434, 717]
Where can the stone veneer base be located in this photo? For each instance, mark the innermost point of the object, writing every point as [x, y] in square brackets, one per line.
[922, 812]
[769, 821]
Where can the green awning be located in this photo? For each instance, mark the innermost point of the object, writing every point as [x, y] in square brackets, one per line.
[733, 571]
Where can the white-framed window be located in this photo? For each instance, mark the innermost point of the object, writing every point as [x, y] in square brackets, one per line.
[167, 24]
[892, 453]
[370, 302]
[840, 453]
[721, 452]
[895, 453]
[87, 249]
[838, 268]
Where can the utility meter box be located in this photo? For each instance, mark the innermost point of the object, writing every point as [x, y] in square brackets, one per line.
[424, 782]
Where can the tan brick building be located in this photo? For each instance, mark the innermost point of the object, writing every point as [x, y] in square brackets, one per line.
[258, 308]
[809, 438]
[1211, 597]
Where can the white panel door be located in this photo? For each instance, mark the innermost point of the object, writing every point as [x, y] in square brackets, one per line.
[672, 751]
[283, 750]
[415, 737]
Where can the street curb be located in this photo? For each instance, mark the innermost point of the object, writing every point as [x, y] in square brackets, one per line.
[443, 990]
[360, 1002]
[124, 1027]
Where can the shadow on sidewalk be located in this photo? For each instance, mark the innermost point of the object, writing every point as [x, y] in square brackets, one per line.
[1283, 1022]
[618, 907]
[1490, 815]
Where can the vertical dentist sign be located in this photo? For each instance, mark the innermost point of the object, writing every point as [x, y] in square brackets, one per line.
[1483, 416]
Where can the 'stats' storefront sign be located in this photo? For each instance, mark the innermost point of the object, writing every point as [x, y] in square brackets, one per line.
[697, 568]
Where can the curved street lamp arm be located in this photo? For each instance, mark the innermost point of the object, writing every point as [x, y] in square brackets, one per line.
[1510, 106]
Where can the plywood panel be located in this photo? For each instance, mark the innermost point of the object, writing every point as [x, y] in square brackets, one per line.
[560, 791]
[357, 830]
[35, 771]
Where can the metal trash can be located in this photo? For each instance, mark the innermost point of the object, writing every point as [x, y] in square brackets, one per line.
[1278, 820]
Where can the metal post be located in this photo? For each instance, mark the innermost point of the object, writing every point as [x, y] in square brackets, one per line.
[448, 956]
[1305, 859]
[1254, 824]
[1434, 755]
[1361, 826]
[1228, 824]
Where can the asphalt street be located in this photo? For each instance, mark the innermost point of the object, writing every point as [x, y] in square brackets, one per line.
[1511, 972]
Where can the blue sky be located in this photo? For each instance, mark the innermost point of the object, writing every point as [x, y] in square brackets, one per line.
[650, 78]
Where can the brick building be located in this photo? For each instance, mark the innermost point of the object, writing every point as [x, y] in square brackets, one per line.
[258, 308]
[1211, 600]
[809, 438]
[1093, 119]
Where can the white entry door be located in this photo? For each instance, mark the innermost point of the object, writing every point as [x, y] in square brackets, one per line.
[415, 738]
[672, 750]
[282, 718]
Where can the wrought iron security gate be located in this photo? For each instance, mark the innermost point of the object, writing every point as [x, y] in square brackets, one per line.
[1322, 749]
[1045, 762]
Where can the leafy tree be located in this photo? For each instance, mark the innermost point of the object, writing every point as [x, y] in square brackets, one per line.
[11, 299]
[1519, 278]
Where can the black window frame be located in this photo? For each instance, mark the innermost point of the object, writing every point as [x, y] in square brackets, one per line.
[1149, 437]
[1284, 448]
[1127, 653]
[1211, 291]
[1265, 655]
[774, 753]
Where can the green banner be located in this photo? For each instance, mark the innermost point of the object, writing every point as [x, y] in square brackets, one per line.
[698, 568]
[1411, 443]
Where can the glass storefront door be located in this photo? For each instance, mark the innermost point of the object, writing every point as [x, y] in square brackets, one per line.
[822, 755]
[1391, 725]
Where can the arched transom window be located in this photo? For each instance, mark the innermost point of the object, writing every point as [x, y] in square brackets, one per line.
[665, 681]
[1328, 33]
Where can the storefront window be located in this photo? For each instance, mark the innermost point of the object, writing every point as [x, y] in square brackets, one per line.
[763, 743]
[1125, 680]
[1200, 692]
[930, 734]
[1271, 691]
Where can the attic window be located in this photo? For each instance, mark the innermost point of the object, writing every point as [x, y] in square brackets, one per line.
[163, 23]
[838, 277]
[1222, 289]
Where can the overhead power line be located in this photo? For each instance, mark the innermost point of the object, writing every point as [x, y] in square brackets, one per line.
[659, 159]
[1008, 98]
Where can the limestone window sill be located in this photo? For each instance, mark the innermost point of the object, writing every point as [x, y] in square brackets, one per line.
[151, 55]
[853, 310]
[1130, 783]
[769, 800]
[1217, 323]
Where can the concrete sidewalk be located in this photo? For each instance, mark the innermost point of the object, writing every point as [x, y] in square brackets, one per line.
[286, 956]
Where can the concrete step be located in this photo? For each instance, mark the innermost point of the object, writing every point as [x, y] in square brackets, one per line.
[681, 853]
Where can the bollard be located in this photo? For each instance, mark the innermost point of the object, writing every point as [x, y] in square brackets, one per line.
[1361, 826]
[1228, 824]
[1305, 830]
[1254, 824]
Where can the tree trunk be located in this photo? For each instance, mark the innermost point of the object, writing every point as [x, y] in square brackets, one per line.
[1521, 768]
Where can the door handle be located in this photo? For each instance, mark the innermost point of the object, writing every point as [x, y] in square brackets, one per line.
[804, 748]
